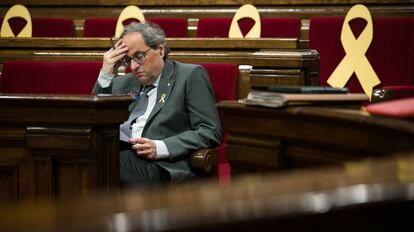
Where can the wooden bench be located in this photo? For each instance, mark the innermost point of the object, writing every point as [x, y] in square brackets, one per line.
[262, 62]
[307, 136]
[192, 10]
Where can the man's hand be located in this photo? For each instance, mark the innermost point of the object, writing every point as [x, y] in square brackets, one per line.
[145, 148]
[113, 55]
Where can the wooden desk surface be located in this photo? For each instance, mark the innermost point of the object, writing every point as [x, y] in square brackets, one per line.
[278, 139]
[372, 195]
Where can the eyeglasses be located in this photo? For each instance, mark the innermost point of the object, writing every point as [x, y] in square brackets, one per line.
[139, 57]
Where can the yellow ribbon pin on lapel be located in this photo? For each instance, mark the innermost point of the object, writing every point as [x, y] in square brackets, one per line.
[162, 99]
[355, 59]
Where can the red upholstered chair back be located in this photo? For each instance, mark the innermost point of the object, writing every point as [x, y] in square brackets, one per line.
[173, 27]
[271, 27]
[44, 27]
[105, 27]
[213, 27]
[99, 27]
[49, 77]
[224, 79]
[391, 52]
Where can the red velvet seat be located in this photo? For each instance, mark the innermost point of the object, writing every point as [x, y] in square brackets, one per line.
[45, 27]
[224, 79]
[391, 52]
[271, 27]
[49, 77]
[105, 27]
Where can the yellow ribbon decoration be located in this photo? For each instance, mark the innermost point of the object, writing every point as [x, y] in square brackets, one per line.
[17, 11]
[249, 11]
[355, 59]
[162, 100]
[128, 12]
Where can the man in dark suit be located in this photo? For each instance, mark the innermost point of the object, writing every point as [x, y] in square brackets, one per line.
[180, 116]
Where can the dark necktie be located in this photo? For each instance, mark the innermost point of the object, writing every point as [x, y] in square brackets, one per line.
[139, 109]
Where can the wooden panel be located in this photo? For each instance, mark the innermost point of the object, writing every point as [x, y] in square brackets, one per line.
[194, 2]
[62, 145]
[308, 136]
[267, 77]
[12, 136]
[74, 176]
[107, 171]
[58, 138]
[10, 159]
[43, 178]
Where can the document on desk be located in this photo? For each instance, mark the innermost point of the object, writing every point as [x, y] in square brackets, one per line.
[302, 89]
[275, 99]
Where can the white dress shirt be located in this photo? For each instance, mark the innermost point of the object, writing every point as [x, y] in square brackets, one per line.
[105, 80]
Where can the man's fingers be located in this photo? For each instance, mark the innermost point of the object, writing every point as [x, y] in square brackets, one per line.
[116, 54]
[119, 50]
[118, 43]
[118, 57]
[142, 147]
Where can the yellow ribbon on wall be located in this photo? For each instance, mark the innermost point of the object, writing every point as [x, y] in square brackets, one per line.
[17, 11]
[248, 11]
[355, 49]
[127, 13]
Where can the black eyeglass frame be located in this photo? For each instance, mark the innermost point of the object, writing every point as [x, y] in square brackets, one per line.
[139, 58]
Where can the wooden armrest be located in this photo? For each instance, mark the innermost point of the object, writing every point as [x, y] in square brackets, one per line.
[204, 161]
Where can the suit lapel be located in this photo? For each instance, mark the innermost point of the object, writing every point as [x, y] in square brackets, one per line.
[165, 86]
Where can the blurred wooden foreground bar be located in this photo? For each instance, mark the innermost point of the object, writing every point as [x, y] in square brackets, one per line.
[54, 146]
[371, 195]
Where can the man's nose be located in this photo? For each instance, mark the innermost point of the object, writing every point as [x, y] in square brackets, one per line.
[135, 65]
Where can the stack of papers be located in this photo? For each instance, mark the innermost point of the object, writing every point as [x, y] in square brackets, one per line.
[279, 97]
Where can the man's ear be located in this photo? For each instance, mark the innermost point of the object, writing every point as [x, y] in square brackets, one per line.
[161, 50]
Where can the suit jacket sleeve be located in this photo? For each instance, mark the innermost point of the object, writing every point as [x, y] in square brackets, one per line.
[205, 128]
